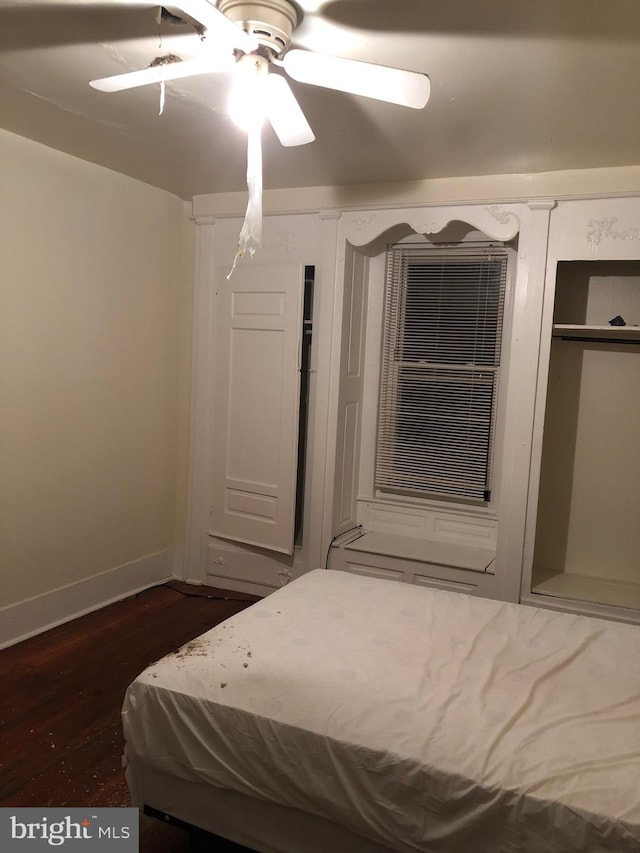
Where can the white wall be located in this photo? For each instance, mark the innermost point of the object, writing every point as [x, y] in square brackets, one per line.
[95, 312]
[588, 506]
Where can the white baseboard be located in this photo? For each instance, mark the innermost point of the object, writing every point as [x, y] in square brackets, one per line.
[35, 615]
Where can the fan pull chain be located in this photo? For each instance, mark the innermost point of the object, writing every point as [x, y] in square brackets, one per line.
[250, 237]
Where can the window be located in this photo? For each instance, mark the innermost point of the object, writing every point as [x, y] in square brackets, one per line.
[441, 355]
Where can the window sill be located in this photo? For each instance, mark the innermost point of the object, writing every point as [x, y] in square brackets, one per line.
[434, 551]
[460, 508]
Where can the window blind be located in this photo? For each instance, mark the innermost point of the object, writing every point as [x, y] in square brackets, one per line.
[441, 354]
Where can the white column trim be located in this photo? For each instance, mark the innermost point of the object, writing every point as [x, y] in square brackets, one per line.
[321, 450]
[521, 395]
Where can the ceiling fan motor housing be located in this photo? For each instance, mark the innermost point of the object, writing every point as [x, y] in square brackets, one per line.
[270, 22]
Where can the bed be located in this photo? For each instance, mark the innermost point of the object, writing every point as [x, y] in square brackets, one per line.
[356, 715]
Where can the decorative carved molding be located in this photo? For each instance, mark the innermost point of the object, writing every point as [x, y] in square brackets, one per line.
[362, 223]
[428, 227]
[497, 222]
[501, 215]
[600, 229]
[281, 241]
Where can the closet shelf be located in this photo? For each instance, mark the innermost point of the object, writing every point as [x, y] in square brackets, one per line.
[616, 593]
[630, 334]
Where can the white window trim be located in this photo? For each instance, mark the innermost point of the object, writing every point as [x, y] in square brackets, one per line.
[373, 360]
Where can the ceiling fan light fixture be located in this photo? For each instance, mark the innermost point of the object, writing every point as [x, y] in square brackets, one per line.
[247, 100]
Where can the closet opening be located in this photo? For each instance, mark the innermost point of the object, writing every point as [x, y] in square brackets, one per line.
[587, 534]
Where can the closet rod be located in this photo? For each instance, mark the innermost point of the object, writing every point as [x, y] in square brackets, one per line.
[596, 340]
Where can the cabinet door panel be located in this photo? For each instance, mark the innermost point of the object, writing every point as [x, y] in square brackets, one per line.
[256, 406]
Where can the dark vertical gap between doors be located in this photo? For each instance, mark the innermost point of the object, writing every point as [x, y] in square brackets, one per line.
[303, 418]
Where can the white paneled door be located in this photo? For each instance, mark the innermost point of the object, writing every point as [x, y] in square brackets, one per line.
[256, 405]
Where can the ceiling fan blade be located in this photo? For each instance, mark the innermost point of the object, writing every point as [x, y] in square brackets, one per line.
[217, 24]
[158, 73]
[285, 114]
[406, 88]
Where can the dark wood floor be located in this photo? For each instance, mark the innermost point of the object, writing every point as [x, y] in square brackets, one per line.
[60, 733]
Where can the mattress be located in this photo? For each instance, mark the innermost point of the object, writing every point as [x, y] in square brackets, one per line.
[420, 719]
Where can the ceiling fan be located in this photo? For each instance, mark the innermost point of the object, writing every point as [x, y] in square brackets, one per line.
[253, 38]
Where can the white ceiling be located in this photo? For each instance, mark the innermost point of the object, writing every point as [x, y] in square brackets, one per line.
[518, 86]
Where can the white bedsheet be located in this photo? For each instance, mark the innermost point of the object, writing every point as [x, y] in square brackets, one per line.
[421, 719]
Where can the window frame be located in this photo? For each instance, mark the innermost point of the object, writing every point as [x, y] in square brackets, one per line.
[435, 499]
